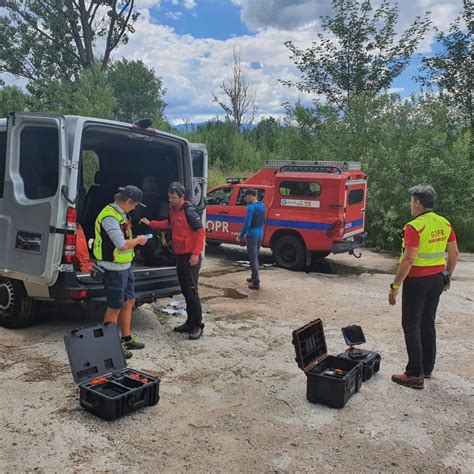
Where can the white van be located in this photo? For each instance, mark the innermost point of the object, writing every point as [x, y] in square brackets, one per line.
[59, 171]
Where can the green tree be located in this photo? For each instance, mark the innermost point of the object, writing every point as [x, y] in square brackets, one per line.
[12, 99]
[139, 92]
[358, 51]
[452, 70]
[55, 39]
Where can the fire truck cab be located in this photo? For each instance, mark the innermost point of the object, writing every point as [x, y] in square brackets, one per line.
[313, 208]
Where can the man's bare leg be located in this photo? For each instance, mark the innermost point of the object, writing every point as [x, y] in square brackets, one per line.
[111, 315]
[125, 318]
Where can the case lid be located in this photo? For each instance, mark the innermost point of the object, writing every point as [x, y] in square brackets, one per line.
[94, 351]
[310, 344]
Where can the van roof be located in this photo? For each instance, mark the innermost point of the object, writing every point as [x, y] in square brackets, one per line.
[100, 121]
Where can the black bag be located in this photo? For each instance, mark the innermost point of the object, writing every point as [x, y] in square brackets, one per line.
[97, 273]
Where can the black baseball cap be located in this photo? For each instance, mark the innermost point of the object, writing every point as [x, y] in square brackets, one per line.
[132, 192]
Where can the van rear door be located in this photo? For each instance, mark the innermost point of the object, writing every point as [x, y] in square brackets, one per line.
[354, 206]
[33, 209]
[199, 181]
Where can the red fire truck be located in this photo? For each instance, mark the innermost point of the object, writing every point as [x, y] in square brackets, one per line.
[313, 208]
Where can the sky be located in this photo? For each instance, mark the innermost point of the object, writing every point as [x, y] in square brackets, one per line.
[189, 44]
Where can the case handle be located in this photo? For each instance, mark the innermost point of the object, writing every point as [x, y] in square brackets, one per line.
[90, 405]
[134, 404]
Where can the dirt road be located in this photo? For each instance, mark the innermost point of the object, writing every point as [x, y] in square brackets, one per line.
[235, 400]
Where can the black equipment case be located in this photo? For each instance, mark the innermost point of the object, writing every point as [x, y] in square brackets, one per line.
[108, 389]
[370, 361]
[331, 380]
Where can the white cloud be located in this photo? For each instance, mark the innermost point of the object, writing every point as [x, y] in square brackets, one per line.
[174, 15]
[189, 4]
[192, 68]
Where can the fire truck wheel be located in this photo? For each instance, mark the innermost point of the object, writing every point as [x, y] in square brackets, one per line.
[289, 253]
[15, 304]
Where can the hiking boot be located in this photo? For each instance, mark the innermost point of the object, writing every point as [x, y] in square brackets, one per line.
[133, 344]
[255, 285]
[196, 333]
[409, 381]
[427, 376]
[183, 328]
[126, 353]
[250, 280]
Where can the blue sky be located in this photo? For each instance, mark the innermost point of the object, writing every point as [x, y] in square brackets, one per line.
[189, 44]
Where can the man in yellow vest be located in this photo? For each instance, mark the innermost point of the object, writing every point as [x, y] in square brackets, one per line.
[113, 249]
[424, 273]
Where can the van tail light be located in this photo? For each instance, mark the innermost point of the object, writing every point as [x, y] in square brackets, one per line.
[69, 249]
[78, 294]
[336, 229]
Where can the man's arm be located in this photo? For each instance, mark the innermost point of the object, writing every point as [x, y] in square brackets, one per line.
[408, 259]
[248, 220]
[453, 254]
[156, 225]
[112, 227]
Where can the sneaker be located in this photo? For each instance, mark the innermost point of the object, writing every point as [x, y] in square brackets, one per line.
[409, 381]
[255, 285]
[183, 328]
[133, 344]
[126, 353]
[196, 333]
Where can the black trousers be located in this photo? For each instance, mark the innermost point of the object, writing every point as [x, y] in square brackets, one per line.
[420, 298]
[188, 279]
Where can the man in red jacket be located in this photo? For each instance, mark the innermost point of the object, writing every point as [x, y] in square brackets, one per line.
[188, 235]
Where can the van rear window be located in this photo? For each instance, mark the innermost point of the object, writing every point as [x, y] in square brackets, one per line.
[356, 196]
[3, 160]
[309, 189]
[39, 161]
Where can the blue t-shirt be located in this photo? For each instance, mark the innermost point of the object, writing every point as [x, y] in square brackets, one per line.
[254, 220]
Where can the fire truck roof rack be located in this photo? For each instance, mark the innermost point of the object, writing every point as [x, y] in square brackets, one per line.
[314, 166]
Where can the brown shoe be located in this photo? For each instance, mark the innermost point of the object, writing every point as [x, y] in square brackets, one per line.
[255, 285]
[409, 381]
[250, 280]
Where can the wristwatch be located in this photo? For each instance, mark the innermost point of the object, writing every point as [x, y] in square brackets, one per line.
[394, 286]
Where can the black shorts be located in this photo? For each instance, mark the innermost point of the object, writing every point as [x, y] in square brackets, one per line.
[119, 287]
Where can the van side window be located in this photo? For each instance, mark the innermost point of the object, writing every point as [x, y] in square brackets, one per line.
[300, 189]
[219, 197]
[356, 196]
[241, 198]
[39, 161]
[3, 160]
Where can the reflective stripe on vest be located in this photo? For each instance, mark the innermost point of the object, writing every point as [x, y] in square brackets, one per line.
[111, 254]
[434, 232]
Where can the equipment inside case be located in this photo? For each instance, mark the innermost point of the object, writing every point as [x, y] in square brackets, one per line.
[330, 380]
[353, 336]
[107, 387]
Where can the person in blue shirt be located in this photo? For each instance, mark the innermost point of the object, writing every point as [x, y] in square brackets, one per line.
[252, 232]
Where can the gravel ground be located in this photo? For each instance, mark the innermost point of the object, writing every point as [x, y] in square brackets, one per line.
[234, 401]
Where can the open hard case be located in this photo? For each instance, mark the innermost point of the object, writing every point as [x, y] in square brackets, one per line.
[107, 388]
[331, 380]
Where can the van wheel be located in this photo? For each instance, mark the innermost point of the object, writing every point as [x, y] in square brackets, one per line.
[289, 253]
[15, 304]
[319, 255]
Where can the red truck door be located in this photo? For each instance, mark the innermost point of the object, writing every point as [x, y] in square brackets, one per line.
[217, 213]
[354, 207]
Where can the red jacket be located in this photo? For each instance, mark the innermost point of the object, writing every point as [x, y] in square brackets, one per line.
[184, 238]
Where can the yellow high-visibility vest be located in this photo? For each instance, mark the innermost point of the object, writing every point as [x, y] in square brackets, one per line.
[104, 249]
[434, 231]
